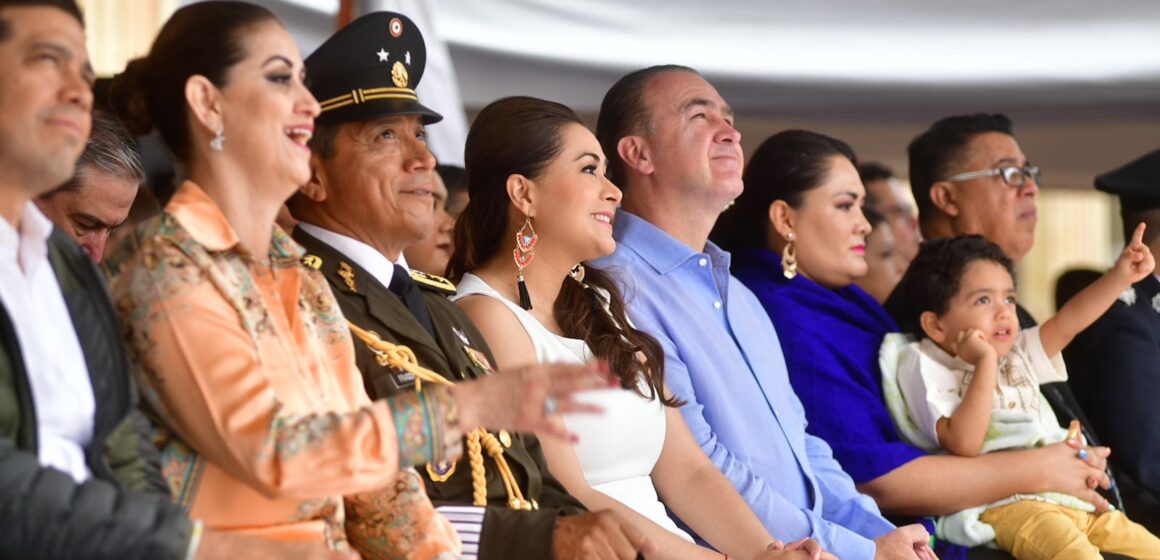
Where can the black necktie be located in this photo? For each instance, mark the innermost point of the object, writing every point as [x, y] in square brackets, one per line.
[403, 286]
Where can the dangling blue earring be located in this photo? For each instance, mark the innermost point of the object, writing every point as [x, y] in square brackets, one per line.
[523, 254]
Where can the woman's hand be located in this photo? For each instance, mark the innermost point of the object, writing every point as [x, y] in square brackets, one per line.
[526, 399]
[1064, 471]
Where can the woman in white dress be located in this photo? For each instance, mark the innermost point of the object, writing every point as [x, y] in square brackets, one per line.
[536, 178]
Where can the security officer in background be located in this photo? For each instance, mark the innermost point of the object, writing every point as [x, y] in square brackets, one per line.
[1114, 365]
[369, 198]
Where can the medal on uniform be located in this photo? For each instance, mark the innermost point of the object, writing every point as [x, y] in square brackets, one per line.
[441, 471]
[479, 359]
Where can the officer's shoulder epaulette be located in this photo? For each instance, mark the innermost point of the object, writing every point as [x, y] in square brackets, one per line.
[432, 282]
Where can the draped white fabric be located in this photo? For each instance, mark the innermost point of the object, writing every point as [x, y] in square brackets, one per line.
[838, 56]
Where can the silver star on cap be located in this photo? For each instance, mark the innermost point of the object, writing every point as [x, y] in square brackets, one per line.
[408, 58]
[383, 55]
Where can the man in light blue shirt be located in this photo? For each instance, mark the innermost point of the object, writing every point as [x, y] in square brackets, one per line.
[672, 148]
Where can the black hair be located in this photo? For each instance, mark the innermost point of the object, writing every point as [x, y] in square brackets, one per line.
[623, 112]
[1132, 218]
[873, 216]
[203, 39]
[935, 276]
[110, 150]
[934, 153]
[870, 172]
[70, 7]
[785, 167]
[454, 178]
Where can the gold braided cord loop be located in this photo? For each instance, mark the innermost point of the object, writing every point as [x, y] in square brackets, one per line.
[399, 356]
[478, 479]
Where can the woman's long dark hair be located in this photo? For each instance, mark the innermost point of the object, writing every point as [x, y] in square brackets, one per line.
[522, 135]
[785, 167]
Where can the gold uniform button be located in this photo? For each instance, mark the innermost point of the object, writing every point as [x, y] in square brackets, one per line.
[1011, 404]
[505, 438]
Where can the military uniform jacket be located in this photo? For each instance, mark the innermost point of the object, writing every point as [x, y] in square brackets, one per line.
[458, 353]
[1115, 370]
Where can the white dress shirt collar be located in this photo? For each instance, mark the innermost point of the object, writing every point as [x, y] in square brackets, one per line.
[368, 258]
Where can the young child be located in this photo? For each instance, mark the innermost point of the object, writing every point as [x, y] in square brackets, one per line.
[970, 385]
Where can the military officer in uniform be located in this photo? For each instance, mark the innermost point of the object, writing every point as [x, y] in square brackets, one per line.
[370, 198]
[1114, 365]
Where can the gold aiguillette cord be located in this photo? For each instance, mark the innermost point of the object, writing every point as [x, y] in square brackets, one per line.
[401, 357]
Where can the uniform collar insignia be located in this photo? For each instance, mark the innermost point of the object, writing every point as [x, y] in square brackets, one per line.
[347, 274]
[1128, 296]
[437, 283]
[312, 261]
[1156, 303]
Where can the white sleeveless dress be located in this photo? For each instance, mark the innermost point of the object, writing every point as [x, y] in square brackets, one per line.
[617, 449]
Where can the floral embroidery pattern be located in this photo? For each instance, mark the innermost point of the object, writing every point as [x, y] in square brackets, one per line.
[1128, 296]
[181, 466]
[399, 522]
[284, 344]
[294, 435]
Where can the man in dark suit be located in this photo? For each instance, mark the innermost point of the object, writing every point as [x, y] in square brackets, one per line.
[370, 198]
[1115, 364]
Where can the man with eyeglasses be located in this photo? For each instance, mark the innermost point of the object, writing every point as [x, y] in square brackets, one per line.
[969, 176]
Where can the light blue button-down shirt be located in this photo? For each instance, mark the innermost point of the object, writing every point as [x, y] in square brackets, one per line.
[723, 359]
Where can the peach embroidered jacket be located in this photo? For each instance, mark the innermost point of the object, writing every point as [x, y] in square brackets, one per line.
[250, 369]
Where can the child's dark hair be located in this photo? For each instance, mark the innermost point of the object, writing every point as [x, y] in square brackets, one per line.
[935, 275]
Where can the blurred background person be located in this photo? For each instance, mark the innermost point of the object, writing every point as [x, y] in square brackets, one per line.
[431, 253]
[1115, 363]
[455, 180]
[886, 195]
[97, 199]
[884, 263]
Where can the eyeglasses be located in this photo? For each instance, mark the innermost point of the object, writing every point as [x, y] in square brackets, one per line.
[1014, 176]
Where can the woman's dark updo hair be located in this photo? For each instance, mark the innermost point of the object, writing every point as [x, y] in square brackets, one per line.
[785, 167]
[521, 136]
[200, 39]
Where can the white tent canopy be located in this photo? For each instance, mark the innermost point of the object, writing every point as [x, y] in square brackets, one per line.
[1081, 78]
[854, 59]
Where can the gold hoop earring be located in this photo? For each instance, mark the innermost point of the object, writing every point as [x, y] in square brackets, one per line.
[789, 259]
[577, 273]
[523, 254]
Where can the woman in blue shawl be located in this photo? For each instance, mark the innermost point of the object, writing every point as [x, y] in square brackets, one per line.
[797, 234]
